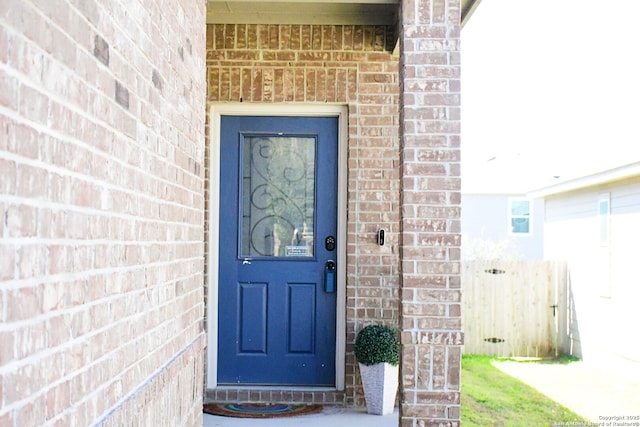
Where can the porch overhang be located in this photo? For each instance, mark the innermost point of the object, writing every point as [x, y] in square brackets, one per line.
[319, 12]
[467, 7]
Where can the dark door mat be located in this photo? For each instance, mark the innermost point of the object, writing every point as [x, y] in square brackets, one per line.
[258, 410]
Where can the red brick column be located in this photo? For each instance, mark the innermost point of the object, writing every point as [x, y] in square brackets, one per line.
[430, 207]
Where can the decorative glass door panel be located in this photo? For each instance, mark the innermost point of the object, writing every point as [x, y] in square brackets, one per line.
[278, 196]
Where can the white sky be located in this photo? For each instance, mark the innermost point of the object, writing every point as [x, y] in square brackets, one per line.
[549, 87]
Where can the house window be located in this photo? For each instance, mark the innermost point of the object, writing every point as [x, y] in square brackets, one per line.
[520, 216]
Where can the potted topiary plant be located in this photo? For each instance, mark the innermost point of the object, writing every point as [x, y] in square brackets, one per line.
[377, 350]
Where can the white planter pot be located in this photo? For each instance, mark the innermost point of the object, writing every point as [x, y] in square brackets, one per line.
[380, 383]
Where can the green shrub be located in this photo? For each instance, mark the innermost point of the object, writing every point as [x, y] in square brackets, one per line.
[377, 344]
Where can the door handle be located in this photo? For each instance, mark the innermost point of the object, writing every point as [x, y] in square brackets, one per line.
[330, 277]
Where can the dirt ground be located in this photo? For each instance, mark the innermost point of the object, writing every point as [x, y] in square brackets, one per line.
[596, 390]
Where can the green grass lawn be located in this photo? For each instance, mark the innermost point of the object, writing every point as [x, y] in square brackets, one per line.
[492, 398]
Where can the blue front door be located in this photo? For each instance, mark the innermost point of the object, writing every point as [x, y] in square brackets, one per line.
[277, 251]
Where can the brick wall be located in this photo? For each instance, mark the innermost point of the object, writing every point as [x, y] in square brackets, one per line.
[101, 212]
[348, 65]
[430, 280]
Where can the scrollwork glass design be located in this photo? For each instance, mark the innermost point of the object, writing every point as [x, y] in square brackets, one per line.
[278, 196]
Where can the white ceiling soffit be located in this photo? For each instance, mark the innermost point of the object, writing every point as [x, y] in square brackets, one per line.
[341, 12]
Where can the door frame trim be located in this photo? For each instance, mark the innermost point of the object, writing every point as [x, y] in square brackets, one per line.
[216, 111]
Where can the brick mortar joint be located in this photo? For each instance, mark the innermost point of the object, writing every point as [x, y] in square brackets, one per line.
[106, 184]
[150, 380]
[9, 326]
[428, 338]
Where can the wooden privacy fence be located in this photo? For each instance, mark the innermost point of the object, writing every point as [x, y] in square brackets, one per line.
[515, 308]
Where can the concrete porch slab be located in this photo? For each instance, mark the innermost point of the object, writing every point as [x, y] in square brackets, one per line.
[330, 416]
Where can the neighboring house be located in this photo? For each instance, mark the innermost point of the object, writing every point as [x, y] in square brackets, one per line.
[155, 169]
[593, 222]
[499, 220]
[502, 226]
